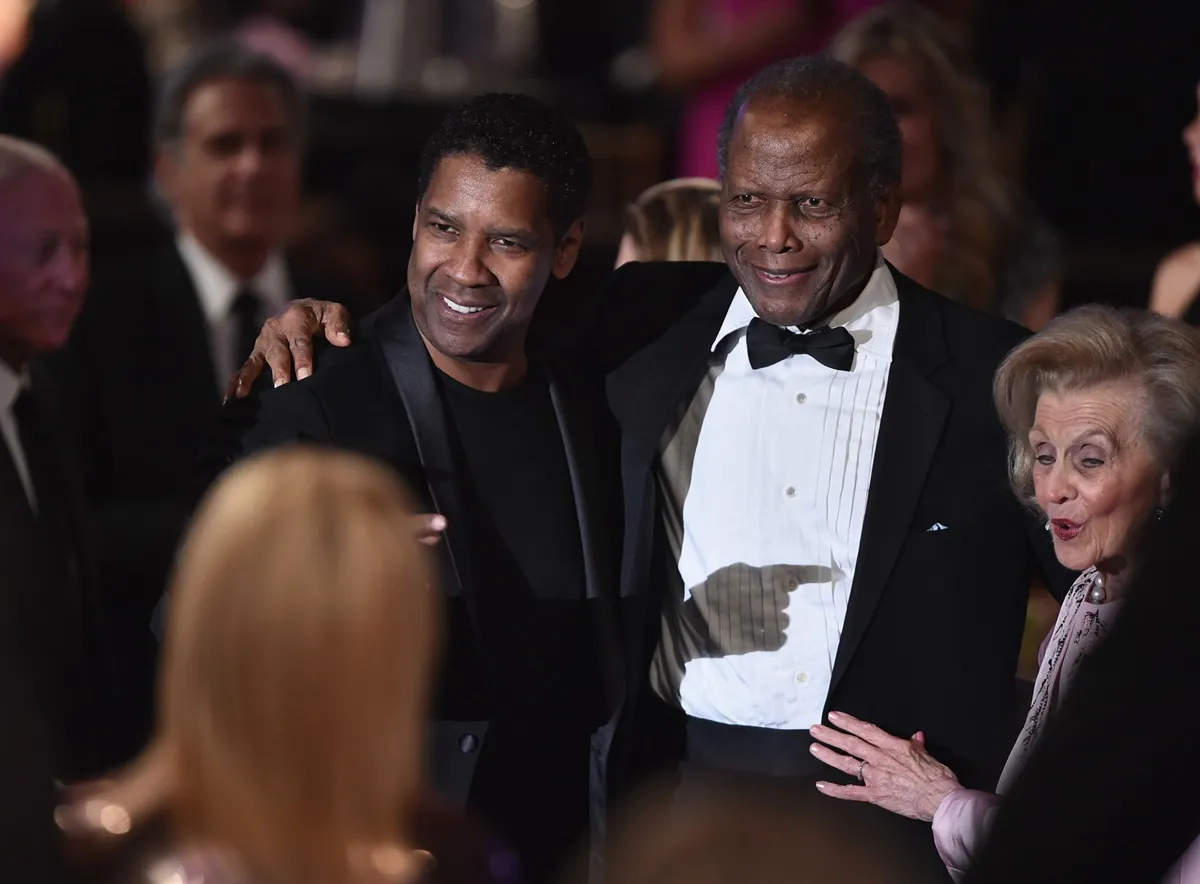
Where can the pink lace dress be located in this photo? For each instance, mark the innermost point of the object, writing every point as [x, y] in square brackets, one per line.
[964, 816]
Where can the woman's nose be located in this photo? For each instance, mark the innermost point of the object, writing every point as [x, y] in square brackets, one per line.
[1059, 486]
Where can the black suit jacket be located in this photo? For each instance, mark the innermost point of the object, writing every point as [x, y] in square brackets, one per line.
[146, 398]
[49, 598]
[379, 398]
[934, 622]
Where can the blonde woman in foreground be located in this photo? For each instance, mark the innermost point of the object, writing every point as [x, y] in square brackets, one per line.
[291, 717]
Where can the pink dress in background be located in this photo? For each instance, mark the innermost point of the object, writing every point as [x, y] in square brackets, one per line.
[706, 106]
[964, 816]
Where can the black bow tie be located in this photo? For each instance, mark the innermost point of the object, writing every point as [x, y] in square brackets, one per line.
[767, 344]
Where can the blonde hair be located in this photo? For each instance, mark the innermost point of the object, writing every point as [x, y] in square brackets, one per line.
[676, 220]
[972, 192]
[293, 686]
[1096, 345]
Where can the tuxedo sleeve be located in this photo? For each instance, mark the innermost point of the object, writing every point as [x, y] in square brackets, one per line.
[287, 415]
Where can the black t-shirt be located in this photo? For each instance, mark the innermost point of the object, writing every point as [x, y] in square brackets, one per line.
[542, 685]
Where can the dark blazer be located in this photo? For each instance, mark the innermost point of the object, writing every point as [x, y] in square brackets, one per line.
[146, 398]
[379, 398]
[934, 622]
[50, 598]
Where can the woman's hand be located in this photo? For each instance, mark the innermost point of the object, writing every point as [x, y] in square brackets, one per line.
[897, 774]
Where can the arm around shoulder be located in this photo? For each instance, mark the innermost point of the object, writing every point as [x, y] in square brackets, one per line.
[266, 418]
[292, 413]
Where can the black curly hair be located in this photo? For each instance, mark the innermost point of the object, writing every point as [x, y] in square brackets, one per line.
[517, 132]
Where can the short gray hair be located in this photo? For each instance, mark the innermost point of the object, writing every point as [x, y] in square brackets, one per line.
[223, 60]
[18, 156]
[817, 79]
[1095, 345]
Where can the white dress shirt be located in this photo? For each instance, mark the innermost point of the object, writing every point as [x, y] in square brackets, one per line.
[771, 519]
[217, 287]
[11, 386]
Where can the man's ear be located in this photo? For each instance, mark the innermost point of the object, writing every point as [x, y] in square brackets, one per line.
[887, 213]
[1164, 491]
[568, 250]
[416, 219]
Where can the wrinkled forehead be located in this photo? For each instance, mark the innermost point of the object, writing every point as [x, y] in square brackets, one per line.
[783, 128]
[464, 184]
[1111, 410]
[41, 198]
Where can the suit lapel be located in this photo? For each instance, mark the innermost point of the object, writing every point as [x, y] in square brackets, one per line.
[595, 542]
[584, 477]
[914, 413]
[646, 394]
[412, 372]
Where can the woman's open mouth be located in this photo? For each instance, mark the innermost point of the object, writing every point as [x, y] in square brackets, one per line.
[1065, 529]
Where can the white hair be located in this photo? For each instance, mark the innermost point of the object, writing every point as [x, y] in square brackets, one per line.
[17, 157]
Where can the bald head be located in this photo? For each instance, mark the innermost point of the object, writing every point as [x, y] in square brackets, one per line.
[19, 157]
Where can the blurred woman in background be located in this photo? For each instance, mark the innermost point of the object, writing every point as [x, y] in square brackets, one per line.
[674, 220]
[964, 230]
[293, 692]
[1176, 290]
[704, 49]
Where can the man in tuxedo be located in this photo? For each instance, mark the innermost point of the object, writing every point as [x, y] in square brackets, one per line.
[814, 475]
[499, 440]
[816, 509]
[163, 332]
[52, 669]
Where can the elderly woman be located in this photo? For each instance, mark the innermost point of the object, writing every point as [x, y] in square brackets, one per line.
[1097, 407]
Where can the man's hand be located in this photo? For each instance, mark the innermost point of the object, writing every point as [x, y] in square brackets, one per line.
[285, 343]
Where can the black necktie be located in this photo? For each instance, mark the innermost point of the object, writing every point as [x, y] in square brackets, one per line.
[247, 311]
[767, 344]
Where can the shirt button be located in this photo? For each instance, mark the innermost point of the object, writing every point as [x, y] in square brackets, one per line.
[801, 398]
[790, 491]
[801, 677]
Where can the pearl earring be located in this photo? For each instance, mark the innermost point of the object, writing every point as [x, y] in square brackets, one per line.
[1047, 526]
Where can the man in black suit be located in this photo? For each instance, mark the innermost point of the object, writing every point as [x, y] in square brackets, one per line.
[170, 327]
[814, 476]
[816, 511]
[53, 673]
[500, 441]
